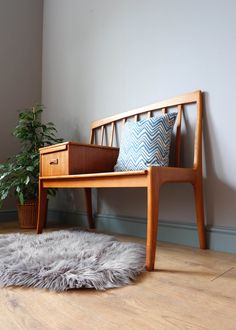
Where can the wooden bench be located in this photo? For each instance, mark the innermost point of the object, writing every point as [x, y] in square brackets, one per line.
[152, 179]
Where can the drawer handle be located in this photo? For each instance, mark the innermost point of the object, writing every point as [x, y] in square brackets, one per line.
[54, 161]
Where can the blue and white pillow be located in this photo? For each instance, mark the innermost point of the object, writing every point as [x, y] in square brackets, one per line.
[146, 143]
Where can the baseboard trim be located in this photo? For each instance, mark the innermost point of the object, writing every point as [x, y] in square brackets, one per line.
[8, 215]
[218, 238]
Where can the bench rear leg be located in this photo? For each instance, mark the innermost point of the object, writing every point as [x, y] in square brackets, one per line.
[199, 204]
[88, 198]
[42, 208]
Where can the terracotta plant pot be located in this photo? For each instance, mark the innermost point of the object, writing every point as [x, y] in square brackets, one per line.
[27, 214]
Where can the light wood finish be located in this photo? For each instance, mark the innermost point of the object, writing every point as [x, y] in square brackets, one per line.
[199, 204]
[178, 135]
[72, 158]
[54, 148]
[42, 207]
[154, 177]
[193, 289]
[101, 135]
[56, 163]
[111, 180]
[173, 102]
[153, 192]
[91, 137]
[112, 133]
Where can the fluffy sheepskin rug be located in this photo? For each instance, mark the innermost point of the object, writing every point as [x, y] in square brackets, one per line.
[69, 259]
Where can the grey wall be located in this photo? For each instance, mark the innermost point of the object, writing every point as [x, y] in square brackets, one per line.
[105, 57]
[20, 65]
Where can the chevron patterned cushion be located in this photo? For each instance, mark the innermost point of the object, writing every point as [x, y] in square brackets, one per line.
[146, 143]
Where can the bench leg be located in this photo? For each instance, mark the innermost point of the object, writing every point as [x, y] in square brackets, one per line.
[42, 208]
[199, 204]
[88, 198]
[153, 193]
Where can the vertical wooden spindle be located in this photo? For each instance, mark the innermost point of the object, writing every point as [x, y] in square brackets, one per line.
[112, 133]
[178, 135]
[91, 138]
[101, 136]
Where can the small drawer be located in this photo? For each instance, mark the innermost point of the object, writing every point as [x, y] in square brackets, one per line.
[75, 158]
[55, 163]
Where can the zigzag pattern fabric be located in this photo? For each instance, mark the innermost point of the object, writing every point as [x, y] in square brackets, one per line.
[146, 143]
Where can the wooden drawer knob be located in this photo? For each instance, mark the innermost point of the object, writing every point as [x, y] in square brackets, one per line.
[54, 161]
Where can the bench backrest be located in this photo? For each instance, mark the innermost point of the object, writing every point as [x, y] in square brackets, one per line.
[104, 131]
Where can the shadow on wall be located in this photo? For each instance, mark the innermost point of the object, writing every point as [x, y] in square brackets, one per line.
[220, 197]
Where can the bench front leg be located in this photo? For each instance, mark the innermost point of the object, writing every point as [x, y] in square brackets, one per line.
[42, 207]
[153, 193]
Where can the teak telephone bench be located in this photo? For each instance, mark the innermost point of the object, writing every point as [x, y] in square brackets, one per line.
[61, 163]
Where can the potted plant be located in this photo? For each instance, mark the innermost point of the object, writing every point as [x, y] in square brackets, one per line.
[20, 173]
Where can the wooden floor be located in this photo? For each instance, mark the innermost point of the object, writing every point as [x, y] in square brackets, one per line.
[191, 289]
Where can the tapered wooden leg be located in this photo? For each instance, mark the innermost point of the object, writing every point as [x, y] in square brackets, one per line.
[88, 197]
[198, 193]
[153, 192]
[42, 207]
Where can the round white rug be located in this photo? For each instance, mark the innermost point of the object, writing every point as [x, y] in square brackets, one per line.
[69, 259]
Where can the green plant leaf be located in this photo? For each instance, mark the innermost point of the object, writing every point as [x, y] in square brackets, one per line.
[27, 180]
[21, 198]
[4, 194]
[30, 168]
[3, 175]
[19, 175]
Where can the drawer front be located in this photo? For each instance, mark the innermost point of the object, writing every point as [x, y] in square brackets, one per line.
[53, 164]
